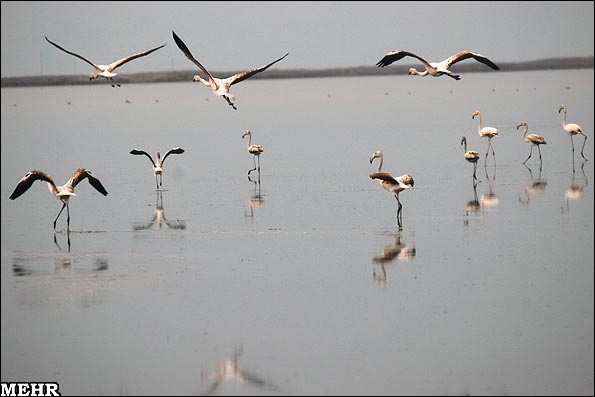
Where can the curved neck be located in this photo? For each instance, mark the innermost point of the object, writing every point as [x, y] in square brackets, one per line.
[249, 140]
[564, 117]
[414, 71]
[465, 145]
[381, 159]
[525, 132]
[479, 124]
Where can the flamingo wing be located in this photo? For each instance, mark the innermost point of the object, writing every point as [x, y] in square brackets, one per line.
[188, 54]
[466, 54]
[244, 75]
[74, 54]
[136, 151]
[396, 55]
[26, 182]
[129, 58]
[384, 176]
[83, 173]
[176, 150]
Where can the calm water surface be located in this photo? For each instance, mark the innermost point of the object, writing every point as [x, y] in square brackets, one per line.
[301, 283]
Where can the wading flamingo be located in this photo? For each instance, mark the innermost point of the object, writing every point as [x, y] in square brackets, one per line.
[471, 156]
[488, 132]
[436, 69]
[572, 129]
[158, 164]
[220, 87]
[254, 150]
[62, 193]
[533, 139]
[106, 71]
[390, 183]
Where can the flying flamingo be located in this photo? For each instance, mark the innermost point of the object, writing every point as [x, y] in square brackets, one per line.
[572, 129]
[106, 71]
[436, 69]
[220, 87]
[471, 156]
[62, 193]
[390, 183]
[158, 164]
[488, 132]
[533, 139]
[254, 150]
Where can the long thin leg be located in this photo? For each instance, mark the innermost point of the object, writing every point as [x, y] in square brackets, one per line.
[583, 148]
[156, 181]
[67, 218]
[399, 211]
[530, 153]
[254, 161]
[62, 209]
[160, 180]
[538, 148]
[572, 141]
[229, 102]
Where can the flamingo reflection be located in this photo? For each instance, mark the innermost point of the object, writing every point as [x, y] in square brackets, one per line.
[159, 217]
[533, 186]
[394, 250]
[473, 207]
[21, 267]
[490, 199]
[576, 190]
[229, 370]
[256, 198]
[67, 238]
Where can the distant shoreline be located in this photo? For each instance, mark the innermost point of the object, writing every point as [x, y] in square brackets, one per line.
[395, 69]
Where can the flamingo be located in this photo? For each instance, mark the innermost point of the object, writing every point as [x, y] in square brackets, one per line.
[533, 139]
[488, 132]
[390, 183]
[62, 193]
[572, 129]
[471, 156]
[158, 164]
[254, 150]
[436, 69]
[106, 71]
[220, 87]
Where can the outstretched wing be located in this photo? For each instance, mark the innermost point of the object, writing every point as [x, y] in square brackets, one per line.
[73, 53]
[136, 151]
[466, 54]
[244, 75]
[26, 182]
[177, 150]
[188, 54]
[396, 55]
[122, 61]
[83, 173]
[384, 176]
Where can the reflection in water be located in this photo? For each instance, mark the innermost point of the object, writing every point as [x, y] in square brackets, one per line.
[256, 199]
[490, 199]
[159, 217]
[67, 238]
[229, 370]
[21, 266]
[576, 189]
[473, 207]
[396, 249]
[534, 186]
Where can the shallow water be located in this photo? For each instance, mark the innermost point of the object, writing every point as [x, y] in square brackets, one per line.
[304, 278]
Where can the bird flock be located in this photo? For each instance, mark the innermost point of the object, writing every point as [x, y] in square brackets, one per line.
[221, 87]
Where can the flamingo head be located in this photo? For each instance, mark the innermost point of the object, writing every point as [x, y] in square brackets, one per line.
[93, 76]
[374, 155]
[247, 132]
[521, 124]
[463, 140]
[476, 113]
[562, 107]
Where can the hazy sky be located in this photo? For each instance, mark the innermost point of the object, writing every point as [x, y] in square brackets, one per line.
[244, 35]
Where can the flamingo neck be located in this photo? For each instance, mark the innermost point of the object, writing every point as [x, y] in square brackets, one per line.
[564, 118]
[479, 124]
[465, 145]
[416, 72]
[525, 133]
[380, 163]
[249, 140]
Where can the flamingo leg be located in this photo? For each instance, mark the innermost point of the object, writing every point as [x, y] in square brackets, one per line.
[229, 102]
[157, 181]
[583, 148]
[254, 161]
[539, 149]
[67, 218]
[160, 180]
[530, 153]
[399, 211]
[62, 209]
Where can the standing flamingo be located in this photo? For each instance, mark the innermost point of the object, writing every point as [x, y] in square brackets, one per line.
[390, 183]
[488, 132]
[254, 150]
[471, 156]
[62, 193]
[533, 139]
[158, 164]
[572, 129]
